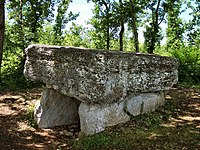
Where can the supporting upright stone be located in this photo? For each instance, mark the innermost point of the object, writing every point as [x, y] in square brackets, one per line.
[94, 118]
[56, 109]
[144, 102]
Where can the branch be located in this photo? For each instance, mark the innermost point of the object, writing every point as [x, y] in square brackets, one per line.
[157, 12]
[161, 19]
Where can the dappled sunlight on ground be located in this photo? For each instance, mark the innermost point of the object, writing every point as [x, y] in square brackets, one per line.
[16, 133]
[183, 109]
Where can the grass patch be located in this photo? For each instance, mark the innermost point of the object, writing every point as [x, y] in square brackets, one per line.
[142, 138]
[29, 117]
[156, 130]
[102, 141]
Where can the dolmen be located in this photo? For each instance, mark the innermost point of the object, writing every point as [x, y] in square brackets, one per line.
[97, 88]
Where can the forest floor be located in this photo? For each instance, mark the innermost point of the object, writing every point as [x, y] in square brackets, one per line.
[173, 126]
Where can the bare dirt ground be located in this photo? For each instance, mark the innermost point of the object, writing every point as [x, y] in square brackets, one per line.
[17, 134]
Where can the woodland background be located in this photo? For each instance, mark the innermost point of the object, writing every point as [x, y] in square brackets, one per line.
[114, 26]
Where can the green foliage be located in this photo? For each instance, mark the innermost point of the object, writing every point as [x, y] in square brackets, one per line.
[28, 16]
[29, 118]
[46, 34]
[31, 22]
[76, 36]
[61, 21]
[192, 28]
[189, 67]
[12, 72]
[13, 62]
[152, 38]
[152, 34]
[102, 141]
[175, 25]
[108, 23]
[189, 62]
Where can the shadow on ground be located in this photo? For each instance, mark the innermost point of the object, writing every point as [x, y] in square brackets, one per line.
[16, 132]
[174, 126]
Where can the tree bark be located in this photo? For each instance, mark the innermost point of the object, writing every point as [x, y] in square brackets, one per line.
[121, 33]
[108, 25]
[108, 38]
[2, 27]
[21, 32]
[155, 29]
[135, 33]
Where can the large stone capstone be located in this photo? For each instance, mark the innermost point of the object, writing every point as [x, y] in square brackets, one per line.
[107, 83]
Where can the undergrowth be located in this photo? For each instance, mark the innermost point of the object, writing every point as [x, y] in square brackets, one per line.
[29, 117]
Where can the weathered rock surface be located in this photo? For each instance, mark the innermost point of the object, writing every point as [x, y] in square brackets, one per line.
[144, 102]
[56, 109]
[97, 76]
[94, 118]
[110, 85]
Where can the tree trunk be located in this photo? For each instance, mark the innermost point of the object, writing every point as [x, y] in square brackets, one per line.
[155, 29]
[121, 33]
[108, 25]
[21, 32]
[135, 33]
[108, 37]
[2, 27]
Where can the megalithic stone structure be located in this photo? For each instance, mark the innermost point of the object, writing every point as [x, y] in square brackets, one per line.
[99, 87]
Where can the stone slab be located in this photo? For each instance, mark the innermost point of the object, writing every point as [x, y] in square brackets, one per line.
[95, 118]
[56, 109]
[99, 76]
[144, 102]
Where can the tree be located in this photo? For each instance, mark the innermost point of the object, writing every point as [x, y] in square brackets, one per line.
[30, 14]
[152, 36]
[174, 23]
[134, 23]
[135, 15]
[103, 21]
[25, 20]
[61, 20]
[122, 20]
[2, 27]
[77, 36]
[192, 28]
[106, 17]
